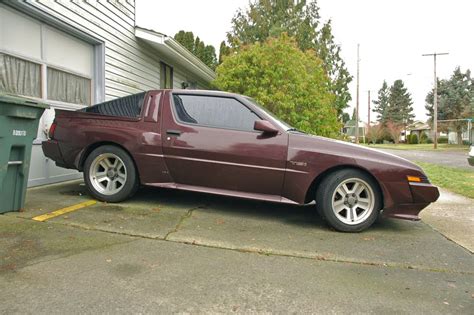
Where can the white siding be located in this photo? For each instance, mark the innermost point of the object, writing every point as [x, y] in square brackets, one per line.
[130, 66]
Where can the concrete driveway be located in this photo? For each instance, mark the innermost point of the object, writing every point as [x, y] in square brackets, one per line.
[456, 159]
[172, 251]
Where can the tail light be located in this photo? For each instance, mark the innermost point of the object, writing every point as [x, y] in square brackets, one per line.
[52, 129]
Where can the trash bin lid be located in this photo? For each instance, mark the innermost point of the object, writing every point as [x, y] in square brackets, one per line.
[10, 98]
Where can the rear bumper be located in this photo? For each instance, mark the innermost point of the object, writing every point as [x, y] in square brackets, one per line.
[52, 151]
[422, 195]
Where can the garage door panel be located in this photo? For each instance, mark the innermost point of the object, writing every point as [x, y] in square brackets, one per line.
[24, 38]
[67, 52]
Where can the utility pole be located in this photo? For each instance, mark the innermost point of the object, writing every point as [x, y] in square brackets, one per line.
[368, 104]
[435, 99]
[357, 100]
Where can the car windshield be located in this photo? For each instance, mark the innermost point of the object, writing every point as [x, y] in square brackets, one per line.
[280, 123]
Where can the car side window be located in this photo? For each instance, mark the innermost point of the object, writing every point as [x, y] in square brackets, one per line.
[213, 111]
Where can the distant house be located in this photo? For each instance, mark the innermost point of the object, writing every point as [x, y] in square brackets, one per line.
[71, 54]
[349, 129]
[418, 128]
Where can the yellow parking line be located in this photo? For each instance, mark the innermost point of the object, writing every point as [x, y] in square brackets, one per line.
[59, 212]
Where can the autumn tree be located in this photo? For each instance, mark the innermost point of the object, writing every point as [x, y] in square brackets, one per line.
[206, 53]
[299, 19]
[375, 132]
[394, 130]
[290, 83]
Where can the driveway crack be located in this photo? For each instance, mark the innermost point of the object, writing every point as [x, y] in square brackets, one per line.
[183, 218]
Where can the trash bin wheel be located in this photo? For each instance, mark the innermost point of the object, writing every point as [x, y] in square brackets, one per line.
[110, 174]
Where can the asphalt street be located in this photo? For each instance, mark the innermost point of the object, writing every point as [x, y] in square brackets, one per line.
[457, 159]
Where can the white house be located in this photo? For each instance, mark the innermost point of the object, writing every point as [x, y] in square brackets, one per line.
[72, 54]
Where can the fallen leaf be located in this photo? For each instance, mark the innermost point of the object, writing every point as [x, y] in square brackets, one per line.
[220, 221]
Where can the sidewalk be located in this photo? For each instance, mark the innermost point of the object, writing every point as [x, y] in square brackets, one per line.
[453, 216]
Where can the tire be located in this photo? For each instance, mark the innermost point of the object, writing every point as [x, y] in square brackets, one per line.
[110, 174]
[349, 200]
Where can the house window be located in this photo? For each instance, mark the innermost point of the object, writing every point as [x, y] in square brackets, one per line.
[67, 87]
[19, 76]
[23, 77]
[166, 77]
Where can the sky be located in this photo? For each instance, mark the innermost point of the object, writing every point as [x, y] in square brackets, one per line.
[393, 34]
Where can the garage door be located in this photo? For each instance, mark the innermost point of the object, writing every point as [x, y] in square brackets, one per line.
[39, 61]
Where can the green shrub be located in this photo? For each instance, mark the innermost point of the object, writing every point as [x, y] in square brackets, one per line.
[424, 138]
[413, 139]
[443, 140]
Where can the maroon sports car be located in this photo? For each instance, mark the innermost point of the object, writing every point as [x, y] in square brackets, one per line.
[227, 144]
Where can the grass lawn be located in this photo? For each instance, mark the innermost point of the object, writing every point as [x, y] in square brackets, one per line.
[456, 180]
[422, 147]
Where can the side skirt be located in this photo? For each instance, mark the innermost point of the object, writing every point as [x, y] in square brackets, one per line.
[224, 192]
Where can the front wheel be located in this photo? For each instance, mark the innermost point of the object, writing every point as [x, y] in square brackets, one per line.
[349, 200]
[109, 174]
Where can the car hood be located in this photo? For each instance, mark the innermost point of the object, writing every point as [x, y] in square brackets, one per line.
[320, 145]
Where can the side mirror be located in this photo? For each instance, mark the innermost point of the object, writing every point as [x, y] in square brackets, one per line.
[265, 126]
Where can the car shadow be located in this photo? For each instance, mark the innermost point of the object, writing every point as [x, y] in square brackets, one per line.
[305, 216]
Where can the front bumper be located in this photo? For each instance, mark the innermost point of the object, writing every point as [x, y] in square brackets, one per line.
[422, 195]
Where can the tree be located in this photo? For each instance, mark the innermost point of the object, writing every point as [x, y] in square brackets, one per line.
[394, 130]
[375, 133]
[288, 82]
[186, 39]
[345, 117]
[400, 110]
[224, 51]
[456, 99]
[299, 19]
[381, 103]
[206, 53]
[354, 118]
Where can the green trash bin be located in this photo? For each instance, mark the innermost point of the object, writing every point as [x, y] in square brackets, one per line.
[19, 119]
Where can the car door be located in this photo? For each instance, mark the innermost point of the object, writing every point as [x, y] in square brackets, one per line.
[210, 142]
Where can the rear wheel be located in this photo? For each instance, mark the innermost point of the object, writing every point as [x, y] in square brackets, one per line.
[109, 174]
[349, 200]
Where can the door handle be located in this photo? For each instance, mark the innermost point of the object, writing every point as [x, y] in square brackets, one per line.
[173, 132]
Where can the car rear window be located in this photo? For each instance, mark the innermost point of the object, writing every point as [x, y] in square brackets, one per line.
[128, 106]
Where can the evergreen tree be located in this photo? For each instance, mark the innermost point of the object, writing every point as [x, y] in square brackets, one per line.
[206, 53]
[354, 118]
[345, 117]
[400, 110]
[224, 50]
[301, 20]
[186, 39]
[381, 103]
[455, 99]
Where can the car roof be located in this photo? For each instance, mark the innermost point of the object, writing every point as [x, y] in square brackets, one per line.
[203, 92]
